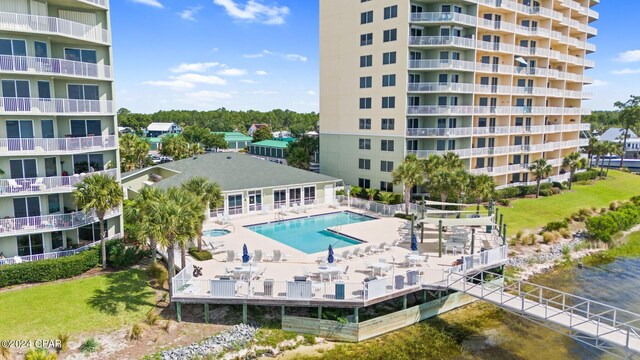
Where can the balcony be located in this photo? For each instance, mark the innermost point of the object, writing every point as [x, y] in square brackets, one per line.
[441, 64]
[53, 26]
[425, 153]
[497, 110]
[438, 132]
[57, 146]
[52, 66]
[442, 41]
[440, 17]
[441, 87]
[38, 106]
[45, 185]
[99, 3]
[48, 223]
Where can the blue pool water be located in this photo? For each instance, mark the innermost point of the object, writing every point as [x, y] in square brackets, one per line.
[215, 232]
[310, 235]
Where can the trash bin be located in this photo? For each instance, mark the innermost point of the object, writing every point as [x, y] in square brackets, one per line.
[268, 287]
[412, 277]
[399, 282]
[339, 291]
[488, 229]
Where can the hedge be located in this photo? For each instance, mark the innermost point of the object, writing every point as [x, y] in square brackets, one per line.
[521, 191]
[605, 226]
[49, 270]
[556, 225]
[121, 256]
[585, 175]
[200, 255]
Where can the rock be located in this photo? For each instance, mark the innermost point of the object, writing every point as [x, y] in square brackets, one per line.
[238, 335]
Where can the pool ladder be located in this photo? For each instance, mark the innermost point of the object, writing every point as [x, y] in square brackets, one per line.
[231, 226]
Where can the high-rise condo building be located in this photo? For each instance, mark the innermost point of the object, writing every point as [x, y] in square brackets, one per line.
[498, 82]
[57, 122]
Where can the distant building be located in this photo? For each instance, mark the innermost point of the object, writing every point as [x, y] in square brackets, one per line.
[281, 134]
[125, 130]
[271, 149]
[616, 134]
[236, 140]
[255, 127]
[156, 129]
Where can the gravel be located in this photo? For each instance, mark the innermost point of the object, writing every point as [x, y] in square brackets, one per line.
[555, 253]
[233, 338]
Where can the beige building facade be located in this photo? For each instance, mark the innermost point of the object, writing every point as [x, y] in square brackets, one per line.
[498, 82]
[57, 122]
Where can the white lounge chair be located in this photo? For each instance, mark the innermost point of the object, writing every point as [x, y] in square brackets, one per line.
[345, 273]
[344, 256]
[356, 253]
[394, 244]
[277, 256]
[231, 256]
[380, 248]
[368, 251]
[257, 255]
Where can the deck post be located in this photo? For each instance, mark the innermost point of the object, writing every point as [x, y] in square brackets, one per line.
[504, 234]
[404, 302]
[490, 206]
[206, 313]
[500, 226]
[424, 296]
[473, 239]
[244, 313]
[319, 312]
[439, 238]
[282, 312]
[355, 315]
[178, 312]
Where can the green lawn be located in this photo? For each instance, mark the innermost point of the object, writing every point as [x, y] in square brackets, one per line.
[105, 302]
[531, 214]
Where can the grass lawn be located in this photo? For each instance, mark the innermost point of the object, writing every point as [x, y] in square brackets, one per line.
[105, 302]
[530, 214]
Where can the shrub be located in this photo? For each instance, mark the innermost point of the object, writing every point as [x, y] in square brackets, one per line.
[548, 237]
[40, 354]
[200, 255]
[556, 190]
[546, 192]
[556, 225]
[565, 233]
[614, 205]
[518, 236]
[531, 239]
[545, 186]
[158, 273]
[120, 256]
[403, 216]
[151, 318]
[64, 342]
[49, 270]
[89, 346]
[585, 175]
[504, 202]
[635, 200]
[136, 332]
[603, 210]
[556, 184]
[602, 227]
[566, 250]
[507, 193]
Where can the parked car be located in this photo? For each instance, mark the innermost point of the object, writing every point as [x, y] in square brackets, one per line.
[165, 159]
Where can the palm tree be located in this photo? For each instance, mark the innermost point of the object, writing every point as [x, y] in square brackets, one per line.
[208, 194]
[140, 211]
[614, 149]
[461, 180]
[629, 117]
[599, 150]
[355, 191]
[452, 161]
[441, 184]
[371, 193]
[386, 197]
[481, 187]
[540, 169]
[298, 157]
[431, 164]
[573, 162]
[410, 173]
[99, 193]
[590, 149]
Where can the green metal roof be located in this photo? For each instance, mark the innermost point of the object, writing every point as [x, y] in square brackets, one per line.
[279, 144]
[236, 171]
[234, 136]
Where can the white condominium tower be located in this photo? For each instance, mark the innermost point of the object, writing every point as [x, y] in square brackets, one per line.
[57, 121]
[498, 82]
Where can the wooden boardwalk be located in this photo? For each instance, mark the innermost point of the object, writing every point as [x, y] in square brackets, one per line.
[608, 327]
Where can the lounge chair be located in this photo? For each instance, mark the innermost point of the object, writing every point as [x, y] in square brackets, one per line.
[344, 256]
[394, 244]
[257, 255]
[356, 253]
[215, 245]
[345, 273]
[39, 184]
[277, 256]
[13, 185]
[368, 251]
[380, 248]
[231, 256]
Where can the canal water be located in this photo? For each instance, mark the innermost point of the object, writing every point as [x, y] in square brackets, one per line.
[616, 283]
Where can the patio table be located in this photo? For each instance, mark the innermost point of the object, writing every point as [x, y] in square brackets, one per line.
[380, 266]
[328, 271]
[413, 259]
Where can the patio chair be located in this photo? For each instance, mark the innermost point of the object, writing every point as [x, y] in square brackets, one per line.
[39, 184]
[277, 256]
[344, 256]
[426, 260]
[394, 244]
[261, 273]
[215, 245]
[13, 185]
[231, 255]
[257, 255]
[345, 273]
[355, 254]
[380, 248]
[367, 250]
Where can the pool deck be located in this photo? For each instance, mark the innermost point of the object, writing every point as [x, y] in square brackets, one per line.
[298, 263]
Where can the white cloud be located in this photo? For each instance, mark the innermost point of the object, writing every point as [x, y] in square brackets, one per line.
[202, 79]
[264, 92]
[311, 92]
[208, 95]
[249, 81]
[626, 71]
[629, 56]
[261, 72]
[290, 57]
[190, 13]
[232, 72]
[197, 67]
[173, 84]
[154, 3]
[598, 82]
[254, 11]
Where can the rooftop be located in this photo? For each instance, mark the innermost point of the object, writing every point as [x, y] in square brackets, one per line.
[158, 126]
[234, 172]
[234, 136]
[616, 134]
[280, 143]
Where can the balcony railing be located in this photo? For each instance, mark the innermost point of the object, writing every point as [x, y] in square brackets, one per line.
[425, 153]
[442, 40]
[28, 225]
[52, 25]
[52, 66]
[441, 87]
[36, 146]
[492, 130]
[417, 132]
[440, 17]
[498, 110]
[38, 106]
[44, 185]
[442, 64]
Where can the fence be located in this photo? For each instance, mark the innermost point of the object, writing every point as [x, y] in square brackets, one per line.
[53, 254]
[52, 25]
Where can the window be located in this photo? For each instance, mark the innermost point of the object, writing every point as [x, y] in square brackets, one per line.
[279, 198]
[16, 89]
[365, 124]
[87, 163]
[366, 17]
[389, 80]
[309, 195]
[390, 35]
[366, 39]
[26, 207]
[386, 166]
[47, 129]
[386, 186]
[82, 55]
[56, 240]
[364, 183]
[365, 82]
[364, 144]
[91, 232]
[391, 12]
[54, 203]
[41, 49]
[364, 164]
[83, 92]
[365, 103]
[388, 124]
[82, 128]
[24, 168]
[366, 60]
[234, 204]
[13, 47]
[388, 102]
[389, 58]
[386, 145]
[30, 245]
[44, 90]
[295, 196]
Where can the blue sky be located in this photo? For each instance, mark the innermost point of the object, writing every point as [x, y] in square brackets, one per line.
[263, 54]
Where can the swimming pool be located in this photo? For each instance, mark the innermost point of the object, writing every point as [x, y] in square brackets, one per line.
[310, 234]
[215, 232]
